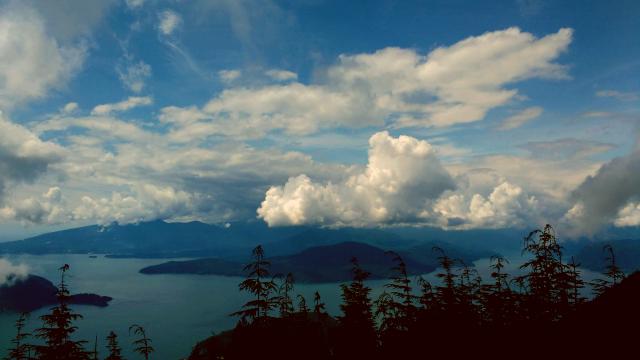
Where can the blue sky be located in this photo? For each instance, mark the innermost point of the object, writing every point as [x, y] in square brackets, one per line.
[456, 114]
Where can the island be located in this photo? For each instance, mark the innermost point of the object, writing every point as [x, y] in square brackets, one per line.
[34, 292]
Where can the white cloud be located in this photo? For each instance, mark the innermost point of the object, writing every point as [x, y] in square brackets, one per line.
[70, 108]
[23, 156]
[10, 272]
[281, 75]
[130, 103]
[49, 208]
[629, 215]
[135, 4]
[507, 205]
[33, 62]
[134, 74]
[228, 76]
[519, 119]
[170, 21]
[399, 87]
[607, 196]
[620, 95]
[402, 179]
[146, 202]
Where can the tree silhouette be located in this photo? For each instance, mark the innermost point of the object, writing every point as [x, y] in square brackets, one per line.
[94, 353]
[612, 273]
[318, 305]
[257, 285]
[576, 284]
[302, 305]
[113, 347]
[357, 330]
[446, 294]
[402, 297]
[143, 344]
[20, 350]
[58, 327]
[285, 303]
[546, 281]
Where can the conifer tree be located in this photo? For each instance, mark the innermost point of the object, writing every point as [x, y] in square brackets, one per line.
[142, 345]
[58, 328]
[613, 274]
[446, 294]
[302, 305]
[94, 353]
[113, 347]
[427, 297]
[285, 303]
[401, 300]
[318, 305]
[21, 349]
[546, 280]
[357, 324]
[256, 284]
[498, 299]
[576, 284]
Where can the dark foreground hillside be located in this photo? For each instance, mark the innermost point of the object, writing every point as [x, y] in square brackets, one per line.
[606, 328]
[543, 312]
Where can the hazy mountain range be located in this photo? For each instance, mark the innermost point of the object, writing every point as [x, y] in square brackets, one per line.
[234, 241]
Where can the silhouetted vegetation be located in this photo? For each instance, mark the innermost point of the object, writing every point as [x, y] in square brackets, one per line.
[56, 340]
[113, 347]
[458, 315]
[542, 311]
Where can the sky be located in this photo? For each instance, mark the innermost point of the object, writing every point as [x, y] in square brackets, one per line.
[452, 114]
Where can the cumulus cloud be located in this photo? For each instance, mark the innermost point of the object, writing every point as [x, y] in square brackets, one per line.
[33, 62]
[146, 202]
[402, 178]
[519, 119]
[608, 196]
[9, 273]
[170, 21]
[47, 209]
[629, 215]
[394, 86]
[130, 103]
[507, 205]
[23, 156]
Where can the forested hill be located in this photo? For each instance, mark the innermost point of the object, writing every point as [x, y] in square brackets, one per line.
[330, 263]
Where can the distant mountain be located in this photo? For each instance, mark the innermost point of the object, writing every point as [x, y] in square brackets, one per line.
[152, 239]
[627, 252]
[329, 263]
[232, 241]
[34, 292]
[160, 239]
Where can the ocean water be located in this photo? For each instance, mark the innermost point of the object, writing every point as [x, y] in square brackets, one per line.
[176, 310]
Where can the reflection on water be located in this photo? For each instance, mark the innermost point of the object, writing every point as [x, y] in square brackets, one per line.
[176, 310]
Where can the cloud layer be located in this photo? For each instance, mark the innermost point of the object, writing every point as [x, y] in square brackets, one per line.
[400, 87]
[33, 62]
[403, 183]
